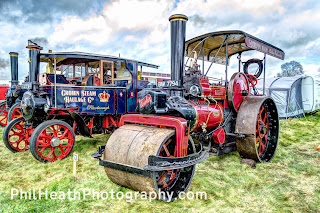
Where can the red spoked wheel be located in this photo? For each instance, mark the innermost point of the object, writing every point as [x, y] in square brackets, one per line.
[167, 178]
[3, 114]
[52, 140]
[262, 130]
[16, 136]
[252, 80]
[14, 112]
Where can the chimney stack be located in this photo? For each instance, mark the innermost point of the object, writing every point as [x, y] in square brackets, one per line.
[14, 69]
[178, 36]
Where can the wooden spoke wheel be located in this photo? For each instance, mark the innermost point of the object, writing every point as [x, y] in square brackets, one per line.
[132, 145]
[258, 121]
[16, 136]
[52, 140]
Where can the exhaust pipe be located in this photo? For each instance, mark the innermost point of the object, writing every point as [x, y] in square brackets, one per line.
[178, 37]
[34, 63]
[14, 69]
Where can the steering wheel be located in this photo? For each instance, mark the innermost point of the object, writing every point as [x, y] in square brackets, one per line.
[107, 79]
[252, 80]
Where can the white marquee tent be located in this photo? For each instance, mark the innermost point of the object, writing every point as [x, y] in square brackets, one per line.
[294, 96]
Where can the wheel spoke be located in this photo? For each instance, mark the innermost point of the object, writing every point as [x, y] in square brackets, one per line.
[18, 141]
[51, 151]
[166, 150]
[64, 134]
[162, 177]
[55, 133]
[4, 117]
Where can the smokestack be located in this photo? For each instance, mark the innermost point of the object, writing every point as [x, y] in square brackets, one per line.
[178, 37]
[14, 69]
[34, 62]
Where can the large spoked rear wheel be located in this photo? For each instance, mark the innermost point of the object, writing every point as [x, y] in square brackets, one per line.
[15, 136]
[258, 120]
[52, 140]
[132, 145]
[14, 112]
[3, 114]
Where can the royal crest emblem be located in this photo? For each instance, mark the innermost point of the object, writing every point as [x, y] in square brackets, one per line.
[104, 97]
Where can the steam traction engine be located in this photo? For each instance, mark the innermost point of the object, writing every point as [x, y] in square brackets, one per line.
[79, 93]
[10, 107]
[182, 120]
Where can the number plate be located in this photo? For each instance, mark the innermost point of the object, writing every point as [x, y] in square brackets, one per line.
[168, 83]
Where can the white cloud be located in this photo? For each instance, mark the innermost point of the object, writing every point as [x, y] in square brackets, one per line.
[140, 29]
[94, 29]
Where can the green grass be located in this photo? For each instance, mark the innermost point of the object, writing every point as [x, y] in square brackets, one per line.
[290, 183]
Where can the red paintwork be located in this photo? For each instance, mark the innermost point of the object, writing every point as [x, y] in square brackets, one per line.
[16, 112]
[252, 80]
[20, 134]
[240, 84]
[179, 124]
[3, 115]
[145, 101]
[212, 115]
[219, 136]
[47, 134]
[3, 90]
[217, 92]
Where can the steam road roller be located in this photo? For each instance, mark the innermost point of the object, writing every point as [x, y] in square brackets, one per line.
[181, 121]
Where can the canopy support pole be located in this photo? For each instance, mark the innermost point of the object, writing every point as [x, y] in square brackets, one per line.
[55, 82]
[264, 75]
[226, 61]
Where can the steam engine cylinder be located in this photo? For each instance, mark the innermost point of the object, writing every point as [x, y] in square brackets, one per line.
[208, 116]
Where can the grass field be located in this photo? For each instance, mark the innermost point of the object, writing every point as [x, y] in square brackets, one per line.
[290, 183]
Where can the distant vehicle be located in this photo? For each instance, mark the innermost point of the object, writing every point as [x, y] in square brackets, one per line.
[11, 96]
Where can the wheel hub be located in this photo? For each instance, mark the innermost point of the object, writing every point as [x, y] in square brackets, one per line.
[263, 129]
[55, 142]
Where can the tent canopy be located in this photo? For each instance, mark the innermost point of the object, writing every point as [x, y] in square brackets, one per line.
[286, 93]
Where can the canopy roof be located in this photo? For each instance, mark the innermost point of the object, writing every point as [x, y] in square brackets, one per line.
[279, 83]
[238, 41]
[79, 57]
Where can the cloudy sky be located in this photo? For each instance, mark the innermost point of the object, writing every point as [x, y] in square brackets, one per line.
[140, 29]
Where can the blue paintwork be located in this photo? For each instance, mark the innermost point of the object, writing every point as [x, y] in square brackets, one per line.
[97, 101]
[132, 89]
[121, 101]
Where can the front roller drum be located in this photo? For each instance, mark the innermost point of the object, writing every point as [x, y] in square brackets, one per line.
[258, 122]
[132, 145]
